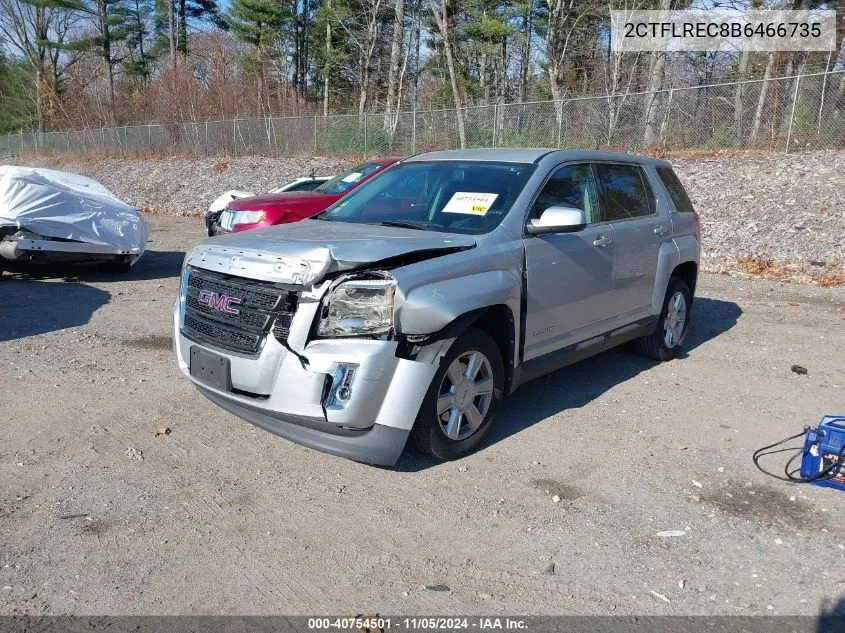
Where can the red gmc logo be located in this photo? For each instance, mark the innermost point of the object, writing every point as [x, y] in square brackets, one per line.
[219, 302]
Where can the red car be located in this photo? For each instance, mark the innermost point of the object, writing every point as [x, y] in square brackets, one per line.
[281, 208]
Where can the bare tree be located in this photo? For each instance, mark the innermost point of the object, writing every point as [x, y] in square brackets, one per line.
[393, 77]
[657, 69]
[439, 12]
[29, 30]
[362, 30]
[564, 17]
[761, 100]
[326, 72]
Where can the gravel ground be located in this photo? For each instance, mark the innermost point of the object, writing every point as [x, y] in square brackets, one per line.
[786, 209]
[100, 515]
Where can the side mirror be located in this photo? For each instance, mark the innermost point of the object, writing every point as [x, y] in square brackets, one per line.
[558, 220]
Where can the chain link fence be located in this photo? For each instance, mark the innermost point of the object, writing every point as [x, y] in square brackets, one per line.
[797, 113]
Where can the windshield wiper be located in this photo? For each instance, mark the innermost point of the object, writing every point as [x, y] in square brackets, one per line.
[409, 224]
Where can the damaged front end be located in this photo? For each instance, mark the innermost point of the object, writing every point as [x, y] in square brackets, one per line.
[308, 346]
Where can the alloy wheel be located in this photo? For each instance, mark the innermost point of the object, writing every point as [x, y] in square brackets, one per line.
[465, 395]
[675, 321]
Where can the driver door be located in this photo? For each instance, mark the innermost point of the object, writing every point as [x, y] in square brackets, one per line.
[569, 275]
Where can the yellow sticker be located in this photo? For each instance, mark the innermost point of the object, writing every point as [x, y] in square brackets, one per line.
[470, 203]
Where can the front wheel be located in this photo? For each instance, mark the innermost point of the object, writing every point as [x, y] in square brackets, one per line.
[672, 325]
[463, 398]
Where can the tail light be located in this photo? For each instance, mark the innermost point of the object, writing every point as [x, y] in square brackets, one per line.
[697, 217]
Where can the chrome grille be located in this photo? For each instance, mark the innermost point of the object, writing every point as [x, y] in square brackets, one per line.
[262, 307]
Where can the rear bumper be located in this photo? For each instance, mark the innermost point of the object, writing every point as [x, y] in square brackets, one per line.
[380, 445]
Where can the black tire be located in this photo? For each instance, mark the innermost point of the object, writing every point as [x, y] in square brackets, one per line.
[655, 345]
[428, 433]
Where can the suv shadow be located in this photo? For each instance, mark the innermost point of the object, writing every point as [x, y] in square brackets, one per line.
[575, 386]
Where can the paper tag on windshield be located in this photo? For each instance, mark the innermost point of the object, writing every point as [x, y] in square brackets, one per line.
[470, 203]
[354, 176]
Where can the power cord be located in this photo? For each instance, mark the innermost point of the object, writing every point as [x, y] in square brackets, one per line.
[799, 452]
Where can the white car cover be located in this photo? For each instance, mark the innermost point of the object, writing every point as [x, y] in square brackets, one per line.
[57, 204]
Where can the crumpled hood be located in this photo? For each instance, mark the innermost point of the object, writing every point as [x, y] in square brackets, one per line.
[304, 252]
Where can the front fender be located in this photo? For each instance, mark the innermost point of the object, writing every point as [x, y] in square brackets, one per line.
[432, 306]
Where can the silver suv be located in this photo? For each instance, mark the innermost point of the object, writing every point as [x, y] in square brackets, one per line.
[415, 303]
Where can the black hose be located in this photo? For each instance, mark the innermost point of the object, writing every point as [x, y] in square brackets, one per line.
[799, 452]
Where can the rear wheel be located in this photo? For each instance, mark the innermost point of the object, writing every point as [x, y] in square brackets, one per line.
[463, 398]
[672, 325]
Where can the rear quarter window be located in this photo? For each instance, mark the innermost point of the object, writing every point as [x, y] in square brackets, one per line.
[676, 190]
[627, 193]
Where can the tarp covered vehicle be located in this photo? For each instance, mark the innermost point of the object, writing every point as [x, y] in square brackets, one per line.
[53, 216]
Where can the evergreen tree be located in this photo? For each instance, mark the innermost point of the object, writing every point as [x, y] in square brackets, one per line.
[136, 23]
[16, 95]
[259, 22]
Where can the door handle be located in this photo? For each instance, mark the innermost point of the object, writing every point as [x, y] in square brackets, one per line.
[603, 240]
[659, 230]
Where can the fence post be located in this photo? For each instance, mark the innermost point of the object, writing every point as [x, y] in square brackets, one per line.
[315, 135]
[495, 121]
[792, 115]
[365, 133]
[666, 119]
[560, 124]
[414, 131]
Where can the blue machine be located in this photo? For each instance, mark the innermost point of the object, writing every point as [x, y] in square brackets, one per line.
[823, 455]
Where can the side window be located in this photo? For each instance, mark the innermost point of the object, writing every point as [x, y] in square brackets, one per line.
[306, 185]
[627, 192]
[570, 186]
[676, 190]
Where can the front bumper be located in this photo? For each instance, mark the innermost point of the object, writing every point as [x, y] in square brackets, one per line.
[286, 393]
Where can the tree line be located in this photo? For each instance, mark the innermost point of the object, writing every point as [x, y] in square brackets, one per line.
[74, 63]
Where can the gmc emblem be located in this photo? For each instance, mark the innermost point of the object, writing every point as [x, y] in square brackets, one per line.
[219, 302]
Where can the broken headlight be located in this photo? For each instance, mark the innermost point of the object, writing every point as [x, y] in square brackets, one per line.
[360, 307]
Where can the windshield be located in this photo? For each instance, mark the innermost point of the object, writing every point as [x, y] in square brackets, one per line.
[349, 178]
[449, 196]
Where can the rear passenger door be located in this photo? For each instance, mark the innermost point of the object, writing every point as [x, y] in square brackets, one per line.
[630, 206]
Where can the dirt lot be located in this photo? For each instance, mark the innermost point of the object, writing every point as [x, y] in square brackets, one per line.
[219, 516]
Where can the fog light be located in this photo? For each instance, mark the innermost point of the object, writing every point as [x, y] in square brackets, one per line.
[341, 389]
